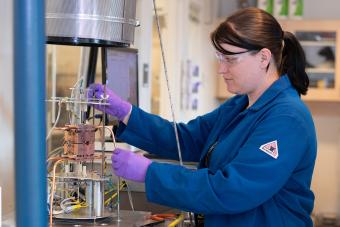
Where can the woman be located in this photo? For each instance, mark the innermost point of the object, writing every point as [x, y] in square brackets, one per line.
[256, 152]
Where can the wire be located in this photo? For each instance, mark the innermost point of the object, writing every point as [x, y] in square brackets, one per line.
[119, 179]
[113, 136]
[52, 159]
[55, 151]
[53, 189]
[179, 219]
[115, 194]
[168, 85]
[130, 196]
[162, 217]
[75, 204]
[112, 187]
[80, 80]
[63, 204]
[56, 121]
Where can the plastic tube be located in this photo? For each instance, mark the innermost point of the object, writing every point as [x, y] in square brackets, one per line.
[177, 221]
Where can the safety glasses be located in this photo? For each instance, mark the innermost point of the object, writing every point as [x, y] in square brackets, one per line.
[230, 59]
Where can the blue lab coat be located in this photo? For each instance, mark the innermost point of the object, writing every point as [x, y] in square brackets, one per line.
[259, 172]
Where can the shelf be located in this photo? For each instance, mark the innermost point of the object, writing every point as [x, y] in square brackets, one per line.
[320, 40]
[320, 70]
[317, 43]
[322, 94]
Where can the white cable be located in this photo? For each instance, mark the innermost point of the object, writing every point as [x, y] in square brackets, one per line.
[74, 109]
[118, 180]
[113, 136]
[55, 151]
[78, 81]
[130, 196]
[65, 206]
[167, 85]
[56, 121]
[127, 186]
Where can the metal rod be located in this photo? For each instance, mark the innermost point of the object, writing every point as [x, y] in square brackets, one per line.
[74, 101]
[104, 122]
[118, 183]
[54, 80]
[168, 85]
[29, 111]
[118, 200]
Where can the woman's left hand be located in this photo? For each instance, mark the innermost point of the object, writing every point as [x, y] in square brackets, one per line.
[129, 165]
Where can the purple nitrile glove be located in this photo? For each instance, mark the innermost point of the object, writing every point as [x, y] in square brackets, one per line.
[129, 165]
[118, 107]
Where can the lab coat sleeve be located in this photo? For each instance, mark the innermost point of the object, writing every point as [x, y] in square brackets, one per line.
[156, 135]
[248, 181]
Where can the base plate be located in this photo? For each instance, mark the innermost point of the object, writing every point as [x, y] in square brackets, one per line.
[127, 218]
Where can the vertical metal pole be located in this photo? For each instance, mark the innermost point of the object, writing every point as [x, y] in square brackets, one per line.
[30, 120]
[104, 66]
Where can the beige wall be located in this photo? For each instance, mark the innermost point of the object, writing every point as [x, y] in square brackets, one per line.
[186, 40]
[326, 180]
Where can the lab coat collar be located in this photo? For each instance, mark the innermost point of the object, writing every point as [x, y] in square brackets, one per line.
[275, 89]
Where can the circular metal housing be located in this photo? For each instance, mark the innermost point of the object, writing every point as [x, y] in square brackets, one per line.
[91, 22]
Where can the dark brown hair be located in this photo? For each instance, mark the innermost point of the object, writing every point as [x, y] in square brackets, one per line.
[254, 29]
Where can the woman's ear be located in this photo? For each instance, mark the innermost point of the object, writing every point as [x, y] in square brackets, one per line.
[265, 57]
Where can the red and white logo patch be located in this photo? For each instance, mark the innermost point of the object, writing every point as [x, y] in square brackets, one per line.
[270, 148]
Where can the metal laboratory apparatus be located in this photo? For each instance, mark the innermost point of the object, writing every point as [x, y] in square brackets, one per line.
[78, 191]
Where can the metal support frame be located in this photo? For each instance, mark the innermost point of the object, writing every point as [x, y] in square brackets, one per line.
[29, 109]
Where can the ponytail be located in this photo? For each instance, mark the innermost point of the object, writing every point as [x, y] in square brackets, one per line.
[294, 63]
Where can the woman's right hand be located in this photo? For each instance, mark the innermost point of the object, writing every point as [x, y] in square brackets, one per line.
[118, 107]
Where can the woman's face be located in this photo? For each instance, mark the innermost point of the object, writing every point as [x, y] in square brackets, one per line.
[241, 72]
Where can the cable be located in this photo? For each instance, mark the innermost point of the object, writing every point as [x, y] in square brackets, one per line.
[55, 151]
[130, 196]
[177, 221]
[80, 80]
[167, 85]
[56, 121]
[75, 204]
[118, 180]
[113, 136]
[115, 194]
[162, 217]
[63, 204]
[56, 158]
[53, 189]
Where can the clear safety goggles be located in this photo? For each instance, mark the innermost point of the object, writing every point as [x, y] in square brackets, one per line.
[232, 59]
